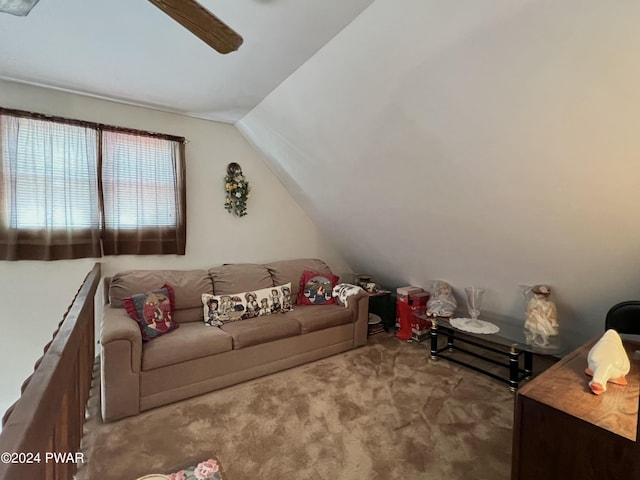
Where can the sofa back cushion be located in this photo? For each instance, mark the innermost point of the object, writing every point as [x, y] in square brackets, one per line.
[188, 285]
[239, 277]
[286, 271]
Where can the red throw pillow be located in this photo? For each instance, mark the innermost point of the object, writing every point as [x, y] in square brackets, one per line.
[153, 311]
[316, 288]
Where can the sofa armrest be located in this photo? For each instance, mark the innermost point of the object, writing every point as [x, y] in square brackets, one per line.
[120, 364]
[359, 304]
[117, 325]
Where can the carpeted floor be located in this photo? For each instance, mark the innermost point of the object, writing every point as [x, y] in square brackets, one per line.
[383, 411]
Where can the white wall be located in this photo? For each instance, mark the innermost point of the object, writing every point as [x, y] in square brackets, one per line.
[488, 143]
[35, 295]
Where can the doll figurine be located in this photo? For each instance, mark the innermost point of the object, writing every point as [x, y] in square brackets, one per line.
[607, 361]
[542, 316]
[441, 303]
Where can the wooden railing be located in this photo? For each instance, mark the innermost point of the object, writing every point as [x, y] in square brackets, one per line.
[41, 432]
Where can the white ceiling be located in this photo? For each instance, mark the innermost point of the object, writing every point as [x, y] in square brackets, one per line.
[129, 51]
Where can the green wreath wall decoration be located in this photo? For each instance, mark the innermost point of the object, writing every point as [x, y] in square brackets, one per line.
[237, 190]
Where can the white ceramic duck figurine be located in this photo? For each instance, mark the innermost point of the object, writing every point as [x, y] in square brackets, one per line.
[607, 362]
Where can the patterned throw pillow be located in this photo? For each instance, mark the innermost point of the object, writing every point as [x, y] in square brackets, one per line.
[207, 470]
[153, 311]
[221, 309]
[317, 288]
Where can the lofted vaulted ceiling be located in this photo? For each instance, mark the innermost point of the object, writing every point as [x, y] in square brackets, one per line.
[129, 51]
[489, 143]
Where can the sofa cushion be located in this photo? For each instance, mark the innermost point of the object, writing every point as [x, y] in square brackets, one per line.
[188, 286]
[239, 277]
[153, 312]
[286, 271]
[221, 309]
[255, 331]
[317, 288]
[318, 317]
[192, 340]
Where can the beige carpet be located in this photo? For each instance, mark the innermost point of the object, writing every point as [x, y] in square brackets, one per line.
[383, 411]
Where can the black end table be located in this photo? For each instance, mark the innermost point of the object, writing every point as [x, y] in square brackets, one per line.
[383, 304]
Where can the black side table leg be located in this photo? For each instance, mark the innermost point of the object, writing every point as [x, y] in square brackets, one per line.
[434, 340]
[514, 368]
[450, 338]
[528, 365]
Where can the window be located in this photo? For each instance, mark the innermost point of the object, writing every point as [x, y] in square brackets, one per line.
[71, 189]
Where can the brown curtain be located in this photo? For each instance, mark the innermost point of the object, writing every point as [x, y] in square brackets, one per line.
[143, 188]
[49, 206]
[73, 189]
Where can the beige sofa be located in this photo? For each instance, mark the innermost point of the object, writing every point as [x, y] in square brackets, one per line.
[195, 358]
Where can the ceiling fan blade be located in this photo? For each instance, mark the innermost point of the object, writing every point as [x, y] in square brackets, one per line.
[19, 8]
[202, 23]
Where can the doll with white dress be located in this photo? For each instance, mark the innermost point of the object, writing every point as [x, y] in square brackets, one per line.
[542, 316]
[441, 303]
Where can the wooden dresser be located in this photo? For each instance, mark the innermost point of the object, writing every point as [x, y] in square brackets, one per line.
[563, 431]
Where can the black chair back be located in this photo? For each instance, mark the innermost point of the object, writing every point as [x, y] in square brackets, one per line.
[624, 318]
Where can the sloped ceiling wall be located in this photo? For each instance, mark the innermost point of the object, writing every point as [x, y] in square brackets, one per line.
[490, 143]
